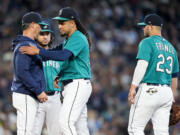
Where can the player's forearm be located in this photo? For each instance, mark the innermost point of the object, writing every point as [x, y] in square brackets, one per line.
[22, 66]
[139, 72]
[59, 47]
[61, 55]
[174, 84]
[133, 86]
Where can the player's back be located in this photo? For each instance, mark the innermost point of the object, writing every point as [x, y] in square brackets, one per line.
[162, 59]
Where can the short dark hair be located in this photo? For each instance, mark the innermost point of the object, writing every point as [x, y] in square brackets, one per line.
[25, 26]
[32, 17]
[51, 40]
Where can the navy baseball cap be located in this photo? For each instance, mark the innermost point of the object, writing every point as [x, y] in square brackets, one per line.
[66, 14]
[32, 17]
[152, 19]
[46, 28]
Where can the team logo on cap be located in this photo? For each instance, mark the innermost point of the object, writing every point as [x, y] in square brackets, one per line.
[60, 12]
[45, 27]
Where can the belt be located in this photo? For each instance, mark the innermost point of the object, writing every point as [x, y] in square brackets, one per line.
[65, 82]
[157, 84]
[51, 93]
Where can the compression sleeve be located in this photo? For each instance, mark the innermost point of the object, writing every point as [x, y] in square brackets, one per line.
[60, 55]
[139, 72]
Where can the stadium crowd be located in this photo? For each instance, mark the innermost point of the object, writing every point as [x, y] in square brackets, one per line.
[115, 36]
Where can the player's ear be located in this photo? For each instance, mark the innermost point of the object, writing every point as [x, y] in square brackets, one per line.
[152, 27]
[32, 25]
[73, 22]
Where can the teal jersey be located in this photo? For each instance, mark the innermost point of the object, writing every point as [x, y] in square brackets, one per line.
[161, 57]
[78, 66]
[51, 69]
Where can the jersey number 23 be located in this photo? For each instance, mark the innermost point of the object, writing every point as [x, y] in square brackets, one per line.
[162, 62]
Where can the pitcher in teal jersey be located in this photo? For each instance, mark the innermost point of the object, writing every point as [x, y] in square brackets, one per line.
[75, 73]
[156, 74]
[48, 112]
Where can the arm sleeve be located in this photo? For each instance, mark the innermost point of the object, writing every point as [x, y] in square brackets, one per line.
[144, 50]
[175, 75]
[175, 70]
[22, 64]
[139, 72]
[59, 47]
[176, 64]
[55, 55]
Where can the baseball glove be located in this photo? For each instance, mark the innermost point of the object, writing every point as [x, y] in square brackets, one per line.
[174, 115]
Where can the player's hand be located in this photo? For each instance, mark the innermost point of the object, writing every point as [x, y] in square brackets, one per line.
[174, 99]
[42, 97]
[30, 50]
[132, 93]
[55, 82]
[174, 96]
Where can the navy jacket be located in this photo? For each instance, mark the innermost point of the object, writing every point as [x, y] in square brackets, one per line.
[28, 70]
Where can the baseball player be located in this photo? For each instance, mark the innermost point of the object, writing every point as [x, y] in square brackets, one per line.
[29, 83]
[75, 71]
[48, 111]
[156, 75]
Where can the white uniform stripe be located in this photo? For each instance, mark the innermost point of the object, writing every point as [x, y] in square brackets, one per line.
[26, 115]
[136, 103]
[72, 107]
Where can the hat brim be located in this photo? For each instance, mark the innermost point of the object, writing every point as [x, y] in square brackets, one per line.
[46, 31]
[142, 24]
[61, 18]
[42, 23]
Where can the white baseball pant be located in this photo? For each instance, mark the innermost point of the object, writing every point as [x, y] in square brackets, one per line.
[73, 113]
[48, 112]
[26, 107]
[151, 102]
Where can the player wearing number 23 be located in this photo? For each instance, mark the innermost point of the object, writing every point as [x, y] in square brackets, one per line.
[156, 76]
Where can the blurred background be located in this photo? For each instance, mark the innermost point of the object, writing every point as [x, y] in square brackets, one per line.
[115, 36]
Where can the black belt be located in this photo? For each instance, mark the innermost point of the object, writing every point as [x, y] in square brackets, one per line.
[157, 84]
[65, 82]
[50, 93]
